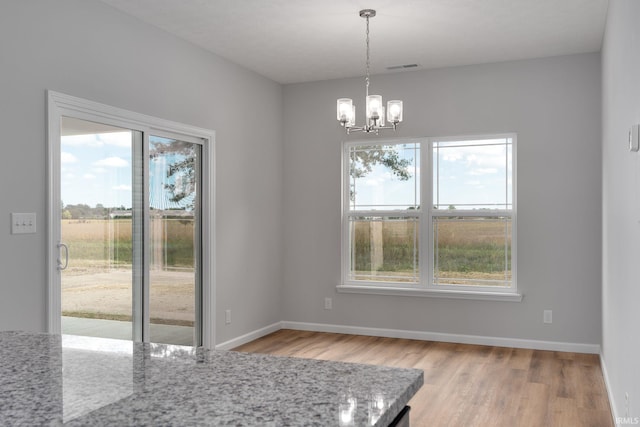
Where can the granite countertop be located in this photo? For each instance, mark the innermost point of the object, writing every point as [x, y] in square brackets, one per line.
[54, 380]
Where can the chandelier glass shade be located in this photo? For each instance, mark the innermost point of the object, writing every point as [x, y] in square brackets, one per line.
[375, 111]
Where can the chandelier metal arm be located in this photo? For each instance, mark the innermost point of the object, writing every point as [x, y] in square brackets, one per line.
[369, 129]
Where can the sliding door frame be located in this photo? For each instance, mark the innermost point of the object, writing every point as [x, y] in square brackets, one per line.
[59, 105]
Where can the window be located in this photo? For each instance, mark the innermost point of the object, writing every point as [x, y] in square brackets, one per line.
[430, 216]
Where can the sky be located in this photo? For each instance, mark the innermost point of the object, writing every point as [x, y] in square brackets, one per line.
[466, 172]
[97, 169]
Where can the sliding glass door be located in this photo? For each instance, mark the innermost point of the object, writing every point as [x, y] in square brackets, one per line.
[130, 248]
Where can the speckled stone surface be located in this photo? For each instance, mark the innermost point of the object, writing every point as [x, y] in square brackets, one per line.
[80, 381]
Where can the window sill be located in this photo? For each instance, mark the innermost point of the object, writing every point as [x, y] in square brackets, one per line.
[430, 293]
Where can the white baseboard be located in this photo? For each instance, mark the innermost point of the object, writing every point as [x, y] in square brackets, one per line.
[607, 385]
[453, 338]
[415, 335]
[254, 335]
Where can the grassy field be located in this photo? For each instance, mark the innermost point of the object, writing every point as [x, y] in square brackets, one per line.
[466, 250]
[108, 242]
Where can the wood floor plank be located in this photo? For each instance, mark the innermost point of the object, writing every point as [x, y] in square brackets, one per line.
[469, 385]
[534, 405]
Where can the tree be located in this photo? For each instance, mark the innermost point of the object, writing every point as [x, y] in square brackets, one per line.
[362, 162]
[181, 169]
[182, 165]
[82, 211]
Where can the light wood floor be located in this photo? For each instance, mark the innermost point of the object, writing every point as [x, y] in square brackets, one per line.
[469, 385]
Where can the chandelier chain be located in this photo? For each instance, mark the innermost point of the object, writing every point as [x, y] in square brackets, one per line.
[368, 60]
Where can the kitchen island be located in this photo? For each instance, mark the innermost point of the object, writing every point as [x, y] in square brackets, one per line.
[48, 379]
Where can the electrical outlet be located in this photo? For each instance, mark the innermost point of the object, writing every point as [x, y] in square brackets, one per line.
[328, 304]
[547, 316]
[227, 317]
[23, 223]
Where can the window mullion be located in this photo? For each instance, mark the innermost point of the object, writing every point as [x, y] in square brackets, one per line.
[426, 257]
[139, 245]
[346, 238]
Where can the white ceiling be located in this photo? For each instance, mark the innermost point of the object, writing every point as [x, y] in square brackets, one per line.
[293, 41]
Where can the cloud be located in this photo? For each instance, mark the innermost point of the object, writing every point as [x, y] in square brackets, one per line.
[485, 156]
[117, 139]
[121, 187]
[89, 176]
[114, 139]
[67, 157]
[80, 141]
[483, 171]
[112, 162]
[452, 156]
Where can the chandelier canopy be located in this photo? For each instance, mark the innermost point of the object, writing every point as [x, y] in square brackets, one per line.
[374, 109]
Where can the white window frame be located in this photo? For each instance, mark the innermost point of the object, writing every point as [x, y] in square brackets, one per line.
[425, 286]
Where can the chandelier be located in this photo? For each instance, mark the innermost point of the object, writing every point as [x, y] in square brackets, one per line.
[374, 109]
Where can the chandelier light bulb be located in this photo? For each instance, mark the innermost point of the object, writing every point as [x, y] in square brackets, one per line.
[345, 108]
[394, 111]
[374, 107]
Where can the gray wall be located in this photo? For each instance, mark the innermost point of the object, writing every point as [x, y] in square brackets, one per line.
[552, 104]
[621, 205]
[87, 49]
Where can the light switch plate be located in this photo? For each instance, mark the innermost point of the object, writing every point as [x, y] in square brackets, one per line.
[634, 138]
[23, 223]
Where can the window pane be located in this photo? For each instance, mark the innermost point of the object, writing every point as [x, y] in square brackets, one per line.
[472, 251]
[384, 177]
[472, 174]
[96, 188]
[384, 249]
[174, 238]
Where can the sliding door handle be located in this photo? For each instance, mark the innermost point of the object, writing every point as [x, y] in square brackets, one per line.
[66, 256]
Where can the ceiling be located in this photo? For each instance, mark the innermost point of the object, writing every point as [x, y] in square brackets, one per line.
[292, 41]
